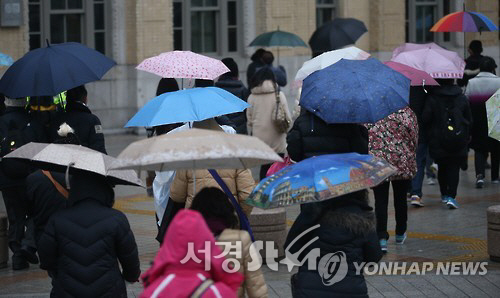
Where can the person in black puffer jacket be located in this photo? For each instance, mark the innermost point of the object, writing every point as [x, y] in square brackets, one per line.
[230, 82]
[81, 245]
[311, 136]
[347, 227]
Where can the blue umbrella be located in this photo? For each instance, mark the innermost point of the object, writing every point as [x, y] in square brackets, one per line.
[355, 91]
[320, 178]
[51, 70]
[187, 105]
[6, 60]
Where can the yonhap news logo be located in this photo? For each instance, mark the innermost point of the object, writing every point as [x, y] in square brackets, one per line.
[333, 268]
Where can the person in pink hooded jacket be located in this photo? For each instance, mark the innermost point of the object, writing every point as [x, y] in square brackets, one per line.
[178, 269]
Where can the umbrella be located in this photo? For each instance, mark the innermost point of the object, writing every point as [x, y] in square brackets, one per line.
[49, 71]
[6, 60]
[320, 178]
[196, 149]
[194, 104]
[336, 34]
[493, 114]
[417, 77]
[329, 58]
[184, 64]
[278, 39]
[355, 91]
[406, 47]
[434, 60]
[57, 157]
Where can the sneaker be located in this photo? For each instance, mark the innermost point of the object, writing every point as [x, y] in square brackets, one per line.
[400, 239]
[29, 254]
[452, 203]
[19, 262]
[434, 168]
[479, 181]
[444, 199]
[383, 245]
[431, 181]
[496, 181]
[416, 201]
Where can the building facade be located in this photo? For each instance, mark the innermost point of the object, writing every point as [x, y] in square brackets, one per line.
[129, 31]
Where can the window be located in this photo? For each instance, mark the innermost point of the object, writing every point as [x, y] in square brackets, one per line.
[421, 15]
[325, 11]
[207, 26]
[60, 21]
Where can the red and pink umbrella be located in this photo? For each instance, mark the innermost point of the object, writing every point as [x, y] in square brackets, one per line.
[417, 77]
[184, 64]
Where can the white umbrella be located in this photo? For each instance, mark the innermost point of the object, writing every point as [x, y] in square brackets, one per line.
[328, 58]
[196, 149]
[57, 157]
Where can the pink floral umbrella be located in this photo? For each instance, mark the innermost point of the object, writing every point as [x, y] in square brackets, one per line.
[184, 64]
[417, 77]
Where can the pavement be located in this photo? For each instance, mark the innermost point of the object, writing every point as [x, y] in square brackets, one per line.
[435, 234]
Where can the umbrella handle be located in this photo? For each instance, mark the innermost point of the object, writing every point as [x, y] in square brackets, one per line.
[66, 175]
[423, 85]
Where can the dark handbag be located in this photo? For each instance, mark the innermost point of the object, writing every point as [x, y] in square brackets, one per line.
[244, 223]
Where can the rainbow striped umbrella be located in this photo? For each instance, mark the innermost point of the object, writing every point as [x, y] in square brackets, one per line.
[464, 21]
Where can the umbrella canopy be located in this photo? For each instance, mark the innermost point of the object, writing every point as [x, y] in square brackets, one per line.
[184, 64]
[196, 149]
[49, 71]
[320, 178]
[464, 21]
[57, 157]
[355, 91]
[6, 60]
[336, 34]
[436, 61]
[417, 77]
[493, 114]
[406, 47]
[278, 38]
[329, 58]
[194, 104]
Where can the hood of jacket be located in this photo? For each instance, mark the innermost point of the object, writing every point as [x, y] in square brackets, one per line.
[447, 91]
[77, 106]
[91, 186]
[266, 87]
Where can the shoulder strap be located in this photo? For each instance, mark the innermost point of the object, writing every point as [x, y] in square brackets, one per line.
[202, 287]
[244, 223]
[63, 191]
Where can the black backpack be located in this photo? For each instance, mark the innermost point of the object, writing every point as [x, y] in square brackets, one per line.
[16, 137]
[454, 128]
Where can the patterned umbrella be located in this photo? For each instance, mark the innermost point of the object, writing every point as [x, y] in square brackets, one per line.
[320, 178]
[464, 21]
[184, 64]
[493, 113]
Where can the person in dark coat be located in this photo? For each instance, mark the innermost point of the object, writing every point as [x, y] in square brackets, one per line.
[279, 72]
[230, 82]
[442, 97]
[12, 181]
[347, 229]
[472, 62]
[256, 63]
[82, 244]
[76, 114]
[311, 136]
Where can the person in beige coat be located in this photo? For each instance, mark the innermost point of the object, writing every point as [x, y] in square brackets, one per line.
[188, 182]
[218, 212]
[262, 102]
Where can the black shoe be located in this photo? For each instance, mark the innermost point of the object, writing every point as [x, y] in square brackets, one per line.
[479, 181]
[19, 262]
[465, 165]
[29, 254]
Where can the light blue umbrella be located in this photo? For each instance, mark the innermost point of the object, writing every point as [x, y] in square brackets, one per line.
[6, 60]
[195, 104]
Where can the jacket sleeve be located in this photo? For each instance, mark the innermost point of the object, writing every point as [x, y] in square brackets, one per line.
[127, 251]
[467, 111]
[244, 186]
[294, 142]
[96, 137]
[249, 115]
[254, 283]
[47, 248]
[371, 248]
[179, 187]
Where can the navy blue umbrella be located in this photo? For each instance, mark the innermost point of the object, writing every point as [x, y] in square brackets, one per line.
[51, 70]
[355, 91]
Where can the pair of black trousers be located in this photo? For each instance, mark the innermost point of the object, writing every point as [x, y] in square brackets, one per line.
[449, 175]
[381, 193]
[480, 157]
[21, 230]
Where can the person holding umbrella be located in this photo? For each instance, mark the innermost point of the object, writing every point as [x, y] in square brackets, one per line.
[472, 62]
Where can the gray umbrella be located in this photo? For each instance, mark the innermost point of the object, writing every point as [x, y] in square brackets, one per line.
[57, 157]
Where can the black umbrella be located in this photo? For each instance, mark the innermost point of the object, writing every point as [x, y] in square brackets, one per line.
[336, 34]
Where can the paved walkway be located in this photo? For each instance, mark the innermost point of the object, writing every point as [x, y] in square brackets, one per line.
[436, 234]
